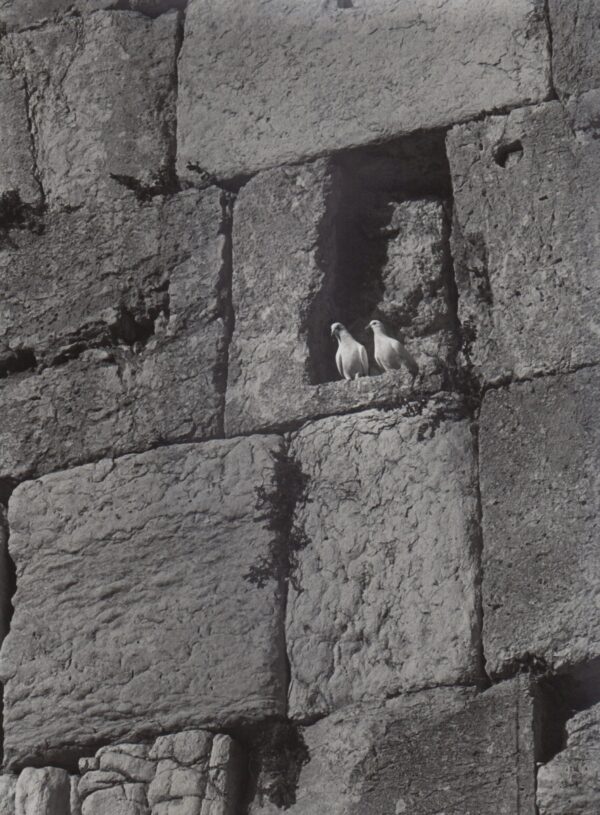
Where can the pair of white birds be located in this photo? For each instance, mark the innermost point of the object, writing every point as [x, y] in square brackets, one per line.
[352, 360]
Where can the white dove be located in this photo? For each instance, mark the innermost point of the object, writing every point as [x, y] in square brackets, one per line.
[390, 354]
[351, 358]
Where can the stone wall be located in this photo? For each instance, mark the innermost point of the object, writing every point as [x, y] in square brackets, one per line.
[232, 583]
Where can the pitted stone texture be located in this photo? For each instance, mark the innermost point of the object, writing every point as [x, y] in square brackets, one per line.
[134, 613]
[104, 278]
[44, 791]
[274, 82]
[383, 594]
[17, 169]
[128, 799]
[526, 242]
[442, 750]
[182, 771]
[539, 459]
[291, 280]
[575, 57]
[7, 794]
[569, 784]
[101, 100]
[15, 14]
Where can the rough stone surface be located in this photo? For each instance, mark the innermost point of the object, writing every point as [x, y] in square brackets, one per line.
[44, 791]
[225, 774]
[130, 301]
[17, 173]
[443, 750]
[383, 593]
[313, 245]
[101, 101]
[539, 464]
[7, 794]
[526, 241]
[134, 612]
[127, 799]
[575, 56]
[569, 784]
[15, 14]
[273, 82]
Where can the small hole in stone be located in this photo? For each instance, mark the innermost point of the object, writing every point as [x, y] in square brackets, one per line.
[345, 4]
[505, 155]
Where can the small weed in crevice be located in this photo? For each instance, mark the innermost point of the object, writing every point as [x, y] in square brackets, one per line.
[278, 505]
[277, 752]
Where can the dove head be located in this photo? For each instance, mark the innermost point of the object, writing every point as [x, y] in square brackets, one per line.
[336, 329]
[376, 325]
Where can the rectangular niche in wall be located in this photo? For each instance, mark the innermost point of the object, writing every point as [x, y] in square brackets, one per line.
[390, 259]
[360, 235]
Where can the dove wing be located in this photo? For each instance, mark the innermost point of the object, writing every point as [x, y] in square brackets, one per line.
[338, 361]
[364, 358]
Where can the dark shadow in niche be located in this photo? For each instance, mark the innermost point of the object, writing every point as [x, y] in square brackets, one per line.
[558, 698]
[367, 185]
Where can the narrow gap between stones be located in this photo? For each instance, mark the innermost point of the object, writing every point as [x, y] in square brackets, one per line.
[552, 95]
[478, 544]
[225, 302]
[506, 381]
[32, 140]
[9, 578]
[378, 195]
[161, 8]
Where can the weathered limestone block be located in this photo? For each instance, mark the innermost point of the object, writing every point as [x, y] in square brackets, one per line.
[292, 278]
[181, 773]
[539, 459]
[526, 241]
[442, 750]
[274, 82]
[127, 799]
[7, 794]
[130, 760]
[101, 101]
[134, 611]
[15, 14]
[141, 287]
[383, 594]
[17, 168]
[225, 774]
[569, 784]
[44, 791]
[575, 57]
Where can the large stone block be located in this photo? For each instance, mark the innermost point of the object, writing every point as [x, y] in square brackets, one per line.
[101, 101]
[134, 610]
[15, 14]
[126, 306]
[445, 751]
[526, 241]
[336, 240]
[43, 791]
[274, 82]
[575, 57]
[383, 590]
[569, 784]
[539, 461]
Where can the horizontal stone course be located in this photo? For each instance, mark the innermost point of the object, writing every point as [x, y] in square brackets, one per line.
[279, 81]
[15, 14]
[130, 300]
[443, 750]
[539, 464]
[525, 240]
[134, 611]
[383, 588]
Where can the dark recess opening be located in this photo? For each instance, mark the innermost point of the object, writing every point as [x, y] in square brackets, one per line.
[360, 247]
